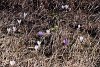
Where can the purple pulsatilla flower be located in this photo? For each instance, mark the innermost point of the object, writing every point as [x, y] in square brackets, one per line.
[65, 41]
[40, 33]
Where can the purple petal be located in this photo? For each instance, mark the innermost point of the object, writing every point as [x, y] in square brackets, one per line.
[65, 41]
[40, 33]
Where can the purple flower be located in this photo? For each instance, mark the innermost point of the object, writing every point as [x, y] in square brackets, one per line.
[40, 33]
[65, 41]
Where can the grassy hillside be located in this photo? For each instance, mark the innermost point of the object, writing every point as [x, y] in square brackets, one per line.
[49, 33]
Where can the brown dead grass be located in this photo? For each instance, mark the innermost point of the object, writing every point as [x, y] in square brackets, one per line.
[20, 46]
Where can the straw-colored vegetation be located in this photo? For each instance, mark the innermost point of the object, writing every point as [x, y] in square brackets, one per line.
[49, 33]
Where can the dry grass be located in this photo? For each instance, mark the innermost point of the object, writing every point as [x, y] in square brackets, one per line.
[19, 45]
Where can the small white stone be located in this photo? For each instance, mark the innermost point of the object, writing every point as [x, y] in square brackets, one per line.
[14, 29]
[12, 62]
[66, 6]
[19, 21]
[25, 14]
[8, 30]
[48, 31]
[39, 43]
[81, 38]
[36, 47]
